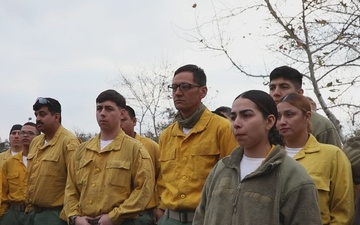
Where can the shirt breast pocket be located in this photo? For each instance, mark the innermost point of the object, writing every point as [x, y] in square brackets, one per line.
[118, 173]
[323, 186]
[167, 163]
[50, 166]
[205, 156]
[13, 178]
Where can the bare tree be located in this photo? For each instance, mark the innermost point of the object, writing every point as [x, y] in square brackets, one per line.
[149, 93]
[318, 37]
[4, 145]
[82, 136]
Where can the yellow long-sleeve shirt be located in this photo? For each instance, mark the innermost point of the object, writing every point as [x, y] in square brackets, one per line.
[186, 159]
[47, 168]
[117, 180]
[14, 181]
[4, 156]
[330, 170]
[153, 148]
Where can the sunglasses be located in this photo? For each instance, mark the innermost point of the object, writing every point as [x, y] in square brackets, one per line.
[44, 101]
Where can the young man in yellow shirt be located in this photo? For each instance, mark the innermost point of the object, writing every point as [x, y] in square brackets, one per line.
[127, 124]
[14, 179]
[111, 176]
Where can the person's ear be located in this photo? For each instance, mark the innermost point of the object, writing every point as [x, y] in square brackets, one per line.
[203, 91]
[122, 113]
[57, 116]
[300, 91]
[270, 122]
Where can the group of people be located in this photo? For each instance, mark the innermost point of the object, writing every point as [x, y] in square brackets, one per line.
[269, 159]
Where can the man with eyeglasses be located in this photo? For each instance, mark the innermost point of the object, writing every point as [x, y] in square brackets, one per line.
[14, 179]
[48, 158]
[15, 144]
[189, 148]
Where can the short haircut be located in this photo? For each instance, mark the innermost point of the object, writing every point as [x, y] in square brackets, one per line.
[33, 125]
[112, 95]
[130, 111]
[286, 72]
[52, 104]
[224, 109]
[199, 76]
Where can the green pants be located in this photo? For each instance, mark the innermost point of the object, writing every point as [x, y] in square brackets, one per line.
[128, 222]
[165, 220]
[47, 217]
[145, 218]
[13, 217]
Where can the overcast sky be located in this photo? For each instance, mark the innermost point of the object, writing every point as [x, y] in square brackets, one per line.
[70, 50]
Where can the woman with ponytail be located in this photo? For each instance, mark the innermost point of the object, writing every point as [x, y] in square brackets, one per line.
[258, 183]
[326, 164]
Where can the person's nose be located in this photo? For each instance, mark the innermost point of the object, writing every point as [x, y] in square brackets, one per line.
[236, 123]
[276, 92]
[102, 112]
[178, 91]
[281, 121]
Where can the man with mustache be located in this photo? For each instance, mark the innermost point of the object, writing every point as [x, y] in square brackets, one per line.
[48, 158]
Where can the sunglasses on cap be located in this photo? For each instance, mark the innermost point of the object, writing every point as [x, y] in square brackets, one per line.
[44, 101]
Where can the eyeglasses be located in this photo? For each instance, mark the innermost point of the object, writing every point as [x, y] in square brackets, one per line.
[28, 133]
[182, 86]
[43, 101]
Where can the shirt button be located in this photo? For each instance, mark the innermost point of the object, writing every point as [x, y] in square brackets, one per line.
[185, 158]
[93, 185]
[90, 202]
[97, 169]
[184, 177]
[182, 196]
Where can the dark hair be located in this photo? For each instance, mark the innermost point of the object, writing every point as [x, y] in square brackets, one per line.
[267, 106]
[112, 95]
[199, 76]
[299, 101]
[33, 125]
[286, 72]
[130, 111]
[224, 109]
[219, 114]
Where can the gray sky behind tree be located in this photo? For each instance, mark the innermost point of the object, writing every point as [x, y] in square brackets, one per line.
[71, 51]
